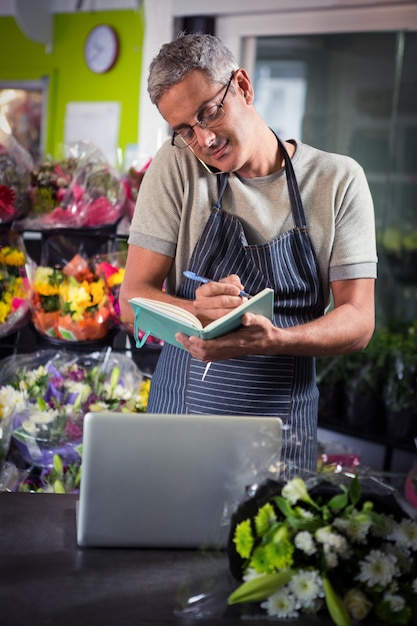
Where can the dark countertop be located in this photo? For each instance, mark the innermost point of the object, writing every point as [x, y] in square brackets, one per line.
[45, 579]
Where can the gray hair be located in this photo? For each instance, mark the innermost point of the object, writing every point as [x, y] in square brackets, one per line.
[194, 51]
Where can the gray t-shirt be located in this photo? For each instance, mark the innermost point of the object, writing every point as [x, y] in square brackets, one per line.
[177, 194]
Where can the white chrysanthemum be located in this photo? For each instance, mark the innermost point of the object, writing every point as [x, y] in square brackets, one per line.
[384, 528]
[402, 554]
[281, 604]
[118, 393]
[32, 377]
[77, 386]
[12, 400]
[356, 527]
[38, 421]
[332, 540]
[304, 541]
[306, 586]
[396, 602]
[377, 569]
[404, 534]
[251, 574]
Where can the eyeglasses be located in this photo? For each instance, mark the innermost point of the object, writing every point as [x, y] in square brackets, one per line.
[207, 118]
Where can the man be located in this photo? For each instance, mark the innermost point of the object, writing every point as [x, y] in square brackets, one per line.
[222, 199]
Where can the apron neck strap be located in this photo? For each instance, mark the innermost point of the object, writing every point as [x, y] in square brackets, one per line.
[221, 187]
[293, 190]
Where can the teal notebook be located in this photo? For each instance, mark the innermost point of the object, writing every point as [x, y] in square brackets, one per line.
[163, 320]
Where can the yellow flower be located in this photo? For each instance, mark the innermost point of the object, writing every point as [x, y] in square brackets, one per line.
[116, 278]
[5, 309]
[12, 256]
[45, 282]
[97, 291]
[76, 298]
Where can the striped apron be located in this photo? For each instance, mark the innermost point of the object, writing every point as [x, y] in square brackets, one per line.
[283, 386]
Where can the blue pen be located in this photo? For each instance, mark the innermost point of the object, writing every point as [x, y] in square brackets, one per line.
[202, 279]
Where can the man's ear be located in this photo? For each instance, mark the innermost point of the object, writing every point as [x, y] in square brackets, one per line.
[244, 85]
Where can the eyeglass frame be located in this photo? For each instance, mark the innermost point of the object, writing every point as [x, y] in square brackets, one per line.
[201, 123]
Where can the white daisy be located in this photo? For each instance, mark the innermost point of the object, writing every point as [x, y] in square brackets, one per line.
[356, 527]
[377, 569]
[405, 534]
[304, 541]
[306, 586]
[396, 603]
[281, 604]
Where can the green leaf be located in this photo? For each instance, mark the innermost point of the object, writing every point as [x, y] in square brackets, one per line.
[283, 506]
[355, 491]
[260, 588]
[58, 467]
[339, 501]
[59, 487]
[41, 404]
[337, 609]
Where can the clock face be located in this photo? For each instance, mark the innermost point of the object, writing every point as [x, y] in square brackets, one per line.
[101, 49]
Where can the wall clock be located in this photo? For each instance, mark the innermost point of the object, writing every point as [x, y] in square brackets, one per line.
[101, 48]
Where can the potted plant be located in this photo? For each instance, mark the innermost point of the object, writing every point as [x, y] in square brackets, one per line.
[330, 381]
[400, 390]
[364, 382]
[401, 253]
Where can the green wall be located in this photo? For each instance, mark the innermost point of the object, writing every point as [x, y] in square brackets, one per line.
[69, 78]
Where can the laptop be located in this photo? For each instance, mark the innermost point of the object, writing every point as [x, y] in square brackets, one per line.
[170, 481]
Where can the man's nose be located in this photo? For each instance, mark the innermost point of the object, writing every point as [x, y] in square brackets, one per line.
[205, 136]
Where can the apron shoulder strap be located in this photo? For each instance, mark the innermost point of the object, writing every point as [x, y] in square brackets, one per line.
[221, 187]
[293, 189]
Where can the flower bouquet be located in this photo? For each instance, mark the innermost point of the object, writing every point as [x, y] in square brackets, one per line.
[132, 182]
[49, 184]
[14, 284]
[50, 392]
[313, 544]
[73, 303]
[15, 167]
[9, 401]
[95, 196]
[111, 268]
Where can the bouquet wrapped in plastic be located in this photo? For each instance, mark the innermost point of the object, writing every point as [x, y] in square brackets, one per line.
[48, 393]
[342, 543]
[49, 183]
[73, 303]
[132, 181]
[15, 272]
[15, 167]
[95, 196]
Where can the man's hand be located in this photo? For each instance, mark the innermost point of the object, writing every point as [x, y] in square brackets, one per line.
[215, 299]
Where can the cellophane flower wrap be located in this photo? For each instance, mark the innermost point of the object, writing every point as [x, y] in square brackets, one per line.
[15, 292]
[95, 196]
[132, 182]
[49, 393]
[111, 268]
[345, 544]
[15, 167]
[75, 302]
[50, 181]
